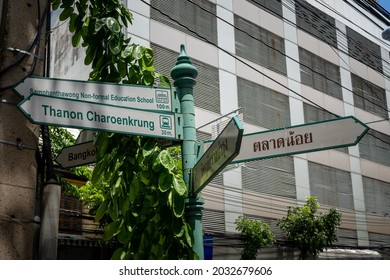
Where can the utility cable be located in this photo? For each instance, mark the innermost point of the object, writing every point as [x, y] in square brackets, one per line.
[35, 42]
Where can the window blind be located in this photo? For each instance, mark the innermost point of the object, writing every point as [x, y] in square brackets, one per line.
[259, 45]
[369, 97]
[262, 106]
[270, 176]
[197, 19]
[315, 22]
[331, 186]
[376, 196]
[206, 89]
[374, 146]
[320, 74]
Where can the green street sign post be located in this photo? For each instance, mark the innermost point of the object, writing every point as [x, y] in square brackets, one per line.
[128, 96]
[184, 74]
[311, 137]
[77, 155]
[221, 152]
[49, 110]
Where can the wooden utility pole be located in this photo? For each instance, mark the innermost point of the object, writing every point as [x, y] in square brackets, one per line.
[22, 53]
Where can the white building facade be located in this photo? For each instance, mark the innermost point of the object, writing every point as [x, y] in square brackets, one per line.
[278, 63]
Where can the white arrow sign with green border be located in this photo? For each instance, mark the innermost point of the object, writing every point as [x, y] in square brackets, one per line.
[76, 155]
[122, 95]
[78, 114]
[311, 137]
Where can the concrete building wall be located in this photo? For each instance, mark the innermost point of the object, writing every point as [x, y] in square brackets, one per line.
[232, 197]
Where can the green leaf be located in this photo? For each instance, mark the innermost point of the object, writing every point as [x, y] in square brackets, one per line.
[127, 51]
[99, 24]
[188, 235]
[179, 185]
[113, 25]
[66, 13]
[178, 204]
[113, 209]
[146, 177]
[102, 210]
[137, 52]
[90, 54]
[116, 189]
[134, 188]
[148, 148]
[112, 229]
[76, 39]
[115, 46]
[122, 68]
[119, 254]
[147, 59]
[124, 235]
[166, 160]
[178, 227]
[165, 181]
[72, 21]
[55, 4]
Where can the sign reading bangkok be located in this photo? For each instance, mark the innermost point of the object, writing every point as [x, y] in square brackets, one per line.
[69, 113]
[122, 95]
[76, 155]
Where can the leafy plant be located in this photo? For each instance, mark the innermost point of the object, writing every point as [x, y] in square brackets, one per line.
[144, 192]
[255, 234]
[307, 231]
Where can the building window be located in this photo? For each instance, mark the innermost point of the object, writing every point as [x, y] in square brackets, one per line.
[331, 186]
[206, 90]
[273, 176]
[197, 19]
[364, 50]
[369, 97]
[259, 45]
[263, 106]
[376, 196]
[374, 146]
[320, 74]
[272, 6]
[70, 215]
[315, 22]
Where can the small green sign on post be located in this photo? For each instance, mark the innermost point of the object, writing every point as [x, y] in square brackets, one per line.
[221, 152]
[49, 110]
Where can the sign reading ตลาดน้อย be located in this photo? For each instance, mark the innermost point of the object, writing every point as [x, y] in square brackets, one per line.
[311, 137]
[49, 110]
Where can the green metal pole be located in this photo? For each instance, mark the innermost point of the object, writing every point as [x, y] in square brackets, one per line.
[184, 74]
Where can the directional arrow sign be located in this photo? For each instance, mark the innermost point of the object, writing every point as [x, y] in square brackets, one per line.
[221, 152]
[129, 96]
[76, 155]
[312, 137]
[78, 114]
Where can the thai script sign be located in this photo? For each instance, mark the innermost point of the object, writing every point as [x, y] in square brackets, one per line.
[311, 137]
[218, 155]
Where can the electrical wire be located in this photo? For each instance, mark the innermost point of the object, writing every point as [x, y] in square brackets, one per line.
[35, 43]
[242, 61]
[233, 199]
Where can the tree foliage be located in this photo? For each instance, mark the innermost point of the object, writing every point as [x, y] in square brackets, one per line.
[255, 234]
[145, 193]
[309, 231]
